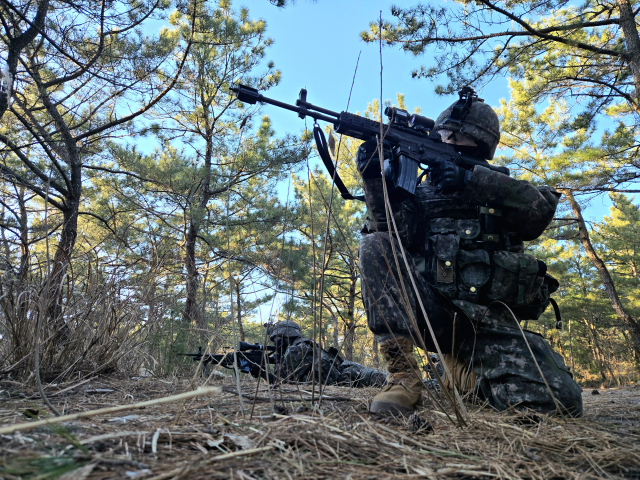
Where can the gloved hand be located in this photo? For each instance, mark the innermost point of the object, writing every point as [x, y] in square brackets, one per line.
[448, 177]
[368, 161]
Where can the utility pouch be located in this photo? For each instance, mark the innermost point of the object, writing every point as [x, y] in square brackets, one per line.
[445, 248]
[537, 307]
[474, 270]
[442, 225]
[515, 278]
[468, 229]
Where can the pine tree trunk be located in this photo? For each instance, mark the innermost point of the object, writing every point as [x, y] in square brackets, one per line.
[190, 307]
[349, 331]
[189, 313]
[632, 42]
[24, 236]
[603, 271]
[596, 351]
[238, 306]
[61, 261]
[202, 316]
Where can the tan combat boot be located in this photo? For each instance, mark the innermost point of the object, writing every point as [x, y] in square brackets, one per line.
[463, 379]
[404, 385]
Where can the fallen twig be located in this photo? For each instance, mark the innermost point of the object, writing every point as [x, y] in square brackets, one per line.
[287, 399]
[119, 408]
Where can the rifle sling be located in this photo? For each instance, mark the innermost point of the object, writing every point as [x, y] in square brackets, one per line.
[556, 310]
[321, 145]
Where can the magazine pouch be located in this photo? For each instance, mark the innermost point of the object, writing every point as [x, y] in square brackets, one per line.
[445, 248]
[515, 279]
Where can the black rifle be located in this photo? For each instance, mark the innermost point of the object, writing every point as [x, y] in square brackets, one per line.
[252, 358]
[413, 144]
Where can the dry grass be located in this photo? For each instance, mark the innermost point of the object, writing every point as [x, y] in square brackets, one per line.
[338, 439]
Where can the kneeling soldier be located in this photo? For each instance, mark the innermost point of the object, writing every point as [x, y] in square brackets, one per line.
[462, 234]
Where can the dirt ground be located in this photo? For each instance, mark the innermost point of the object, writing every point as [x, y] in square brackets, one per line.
[287, 437]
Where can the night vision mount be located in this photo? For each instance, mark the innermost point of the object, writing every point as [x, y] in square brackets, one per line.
[463, 105]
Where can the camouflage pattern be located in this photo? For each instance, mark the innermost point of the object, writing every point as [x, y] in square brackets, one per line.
[431, 381]
[356, 375]
[481, 124]
[507, 376]
[526, 209]
[381, 294]
[439, 368]
[455, 287]
[297, 361]
[286, 329]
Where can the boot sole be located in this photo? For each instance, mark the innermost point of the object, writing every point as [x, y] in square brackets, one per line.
[390, 408]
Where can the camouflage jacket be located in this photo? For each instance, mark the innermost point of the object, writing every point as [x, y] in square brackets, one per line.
[355, 375]
[297, 361]
[469, 244]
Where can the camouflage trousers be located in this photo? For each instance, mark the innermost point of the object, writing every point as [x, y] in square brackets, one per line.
[486, 339]
[297, 366]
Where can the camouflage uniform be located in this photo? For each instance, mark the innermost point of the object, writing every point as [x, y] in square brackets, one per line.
[355, 375]
[297, 361]
[295, 364]
[465, 253]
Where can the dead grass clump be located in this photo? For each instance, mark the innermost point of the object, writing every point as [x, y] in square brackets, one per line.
[98, 330]
[335, 439]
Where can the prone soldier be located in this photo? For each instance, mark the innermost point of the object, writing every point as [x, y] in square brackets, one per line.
[295, 355]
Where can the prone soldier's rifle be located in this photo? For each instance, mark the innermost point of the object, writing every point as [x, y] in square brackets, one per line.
[252, 359]
[413, 145]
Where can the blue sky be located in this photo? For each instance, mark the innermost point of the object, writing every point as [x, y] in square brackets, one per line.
[317, 46]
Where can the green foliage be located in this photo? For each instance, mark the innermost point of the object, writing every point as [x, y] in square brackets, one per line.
[618, 237]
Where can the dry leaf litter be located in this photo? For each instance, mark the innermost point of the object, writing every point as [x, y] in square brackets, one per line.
[288, 437]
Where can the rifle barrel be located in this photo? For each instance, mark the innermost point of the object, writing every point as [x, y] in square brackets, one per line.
[304, 111]
[252, 96]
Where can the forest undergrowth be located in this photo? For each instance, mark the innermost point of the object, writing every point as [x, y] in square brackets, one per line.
[283, 435]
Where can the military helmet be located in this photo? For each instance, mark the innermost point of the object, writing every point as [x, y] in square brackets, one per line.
[471, 116]
[286, 329]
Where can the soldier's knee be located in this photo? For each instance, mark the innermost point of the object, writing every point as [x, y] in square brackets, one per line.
[523, 394]
[569, 396]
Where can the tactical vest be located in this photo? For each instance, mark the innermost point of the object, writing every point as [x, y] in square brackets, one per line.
[467, 255]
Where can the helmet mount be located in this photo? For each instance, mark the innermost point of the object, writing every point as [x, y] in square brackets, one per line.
[473, 118]
[463, 105]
